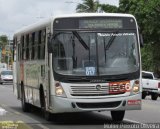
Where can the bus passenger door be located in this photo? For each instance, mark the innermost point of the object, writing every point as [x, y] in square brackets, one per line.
[16, 72]
[47, 70]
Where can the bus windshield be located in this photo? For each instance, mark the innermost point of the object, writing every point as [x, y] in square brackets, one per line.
[85, 53]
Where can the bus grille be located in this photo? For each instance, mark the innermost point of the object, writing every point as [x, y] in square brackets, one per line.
[99, 105]
[89, 90]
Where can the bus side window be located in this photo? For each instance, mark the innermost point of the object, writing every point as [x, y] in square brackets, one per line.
[39, 43]
[23, 48]
[19, 52]
[27, 47]
[33, 46]
[43, 39]
[36, 45]
[30, 47]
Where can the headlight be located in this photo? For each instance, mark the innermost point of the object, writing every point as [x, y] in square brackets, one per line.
[59, 90]
[136, 87]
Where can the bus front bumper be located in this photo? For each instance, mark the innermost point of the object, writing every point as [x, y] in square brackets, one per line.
[64, 105]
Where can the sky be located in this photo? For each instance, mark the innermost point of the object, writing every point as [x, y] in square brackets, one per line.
[15, 14]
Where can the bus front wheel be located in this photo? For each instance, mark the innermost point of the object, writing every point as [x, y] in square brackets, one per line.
[117, 115]
[47, 115]
[25, 106]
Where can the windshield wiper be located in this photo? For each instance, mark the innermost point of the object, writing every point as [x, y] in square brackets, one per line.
[111, 41]
[80, 40]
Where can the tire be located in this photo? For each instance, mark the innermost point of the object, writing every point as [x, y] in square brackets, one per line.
[143, 95]
[25, 106]
[117, 116]
[154, 96]
[47, 115]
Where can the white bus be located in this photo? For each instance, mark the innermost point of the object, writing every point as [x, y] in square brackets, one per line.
[79, 63]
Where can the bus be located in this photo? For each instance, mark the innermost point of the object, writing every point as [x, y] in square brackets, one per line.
[79, 63]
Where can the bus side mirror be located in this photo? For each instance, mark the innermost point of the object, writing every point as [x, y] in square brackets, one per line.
[141, 40]
[49, 44]
[140, 37]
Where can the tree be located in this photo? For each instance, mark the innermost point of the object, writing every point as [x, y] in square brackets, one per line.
[147, 57]
[3, 41]
[108, 8]
[147, 13]
[88, 6]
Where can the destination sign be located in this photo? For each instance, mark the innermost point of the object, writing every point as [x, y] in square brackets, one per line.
[101, 23]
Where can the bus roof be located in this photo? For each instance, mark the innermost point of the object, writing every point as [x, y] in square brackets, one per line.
[48, 21]
[95, 14]
[35, 26]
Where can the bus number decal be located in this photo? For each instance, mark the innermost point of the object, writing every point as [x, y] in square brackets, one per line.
[90, 71]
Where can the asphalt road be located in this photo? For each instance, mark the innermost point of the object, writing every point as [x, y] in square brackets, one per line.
[11, 108]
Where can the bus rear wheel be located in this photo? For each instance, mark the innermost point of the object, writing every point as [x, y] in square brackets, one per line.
[117, 115]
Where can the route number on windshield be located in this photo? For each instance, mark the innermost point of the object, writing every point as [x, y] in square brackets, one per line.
[90, 71]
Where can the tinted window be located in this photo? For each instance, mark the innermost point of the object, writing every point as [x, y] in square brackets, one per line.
[6, 73]
[147, 75]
